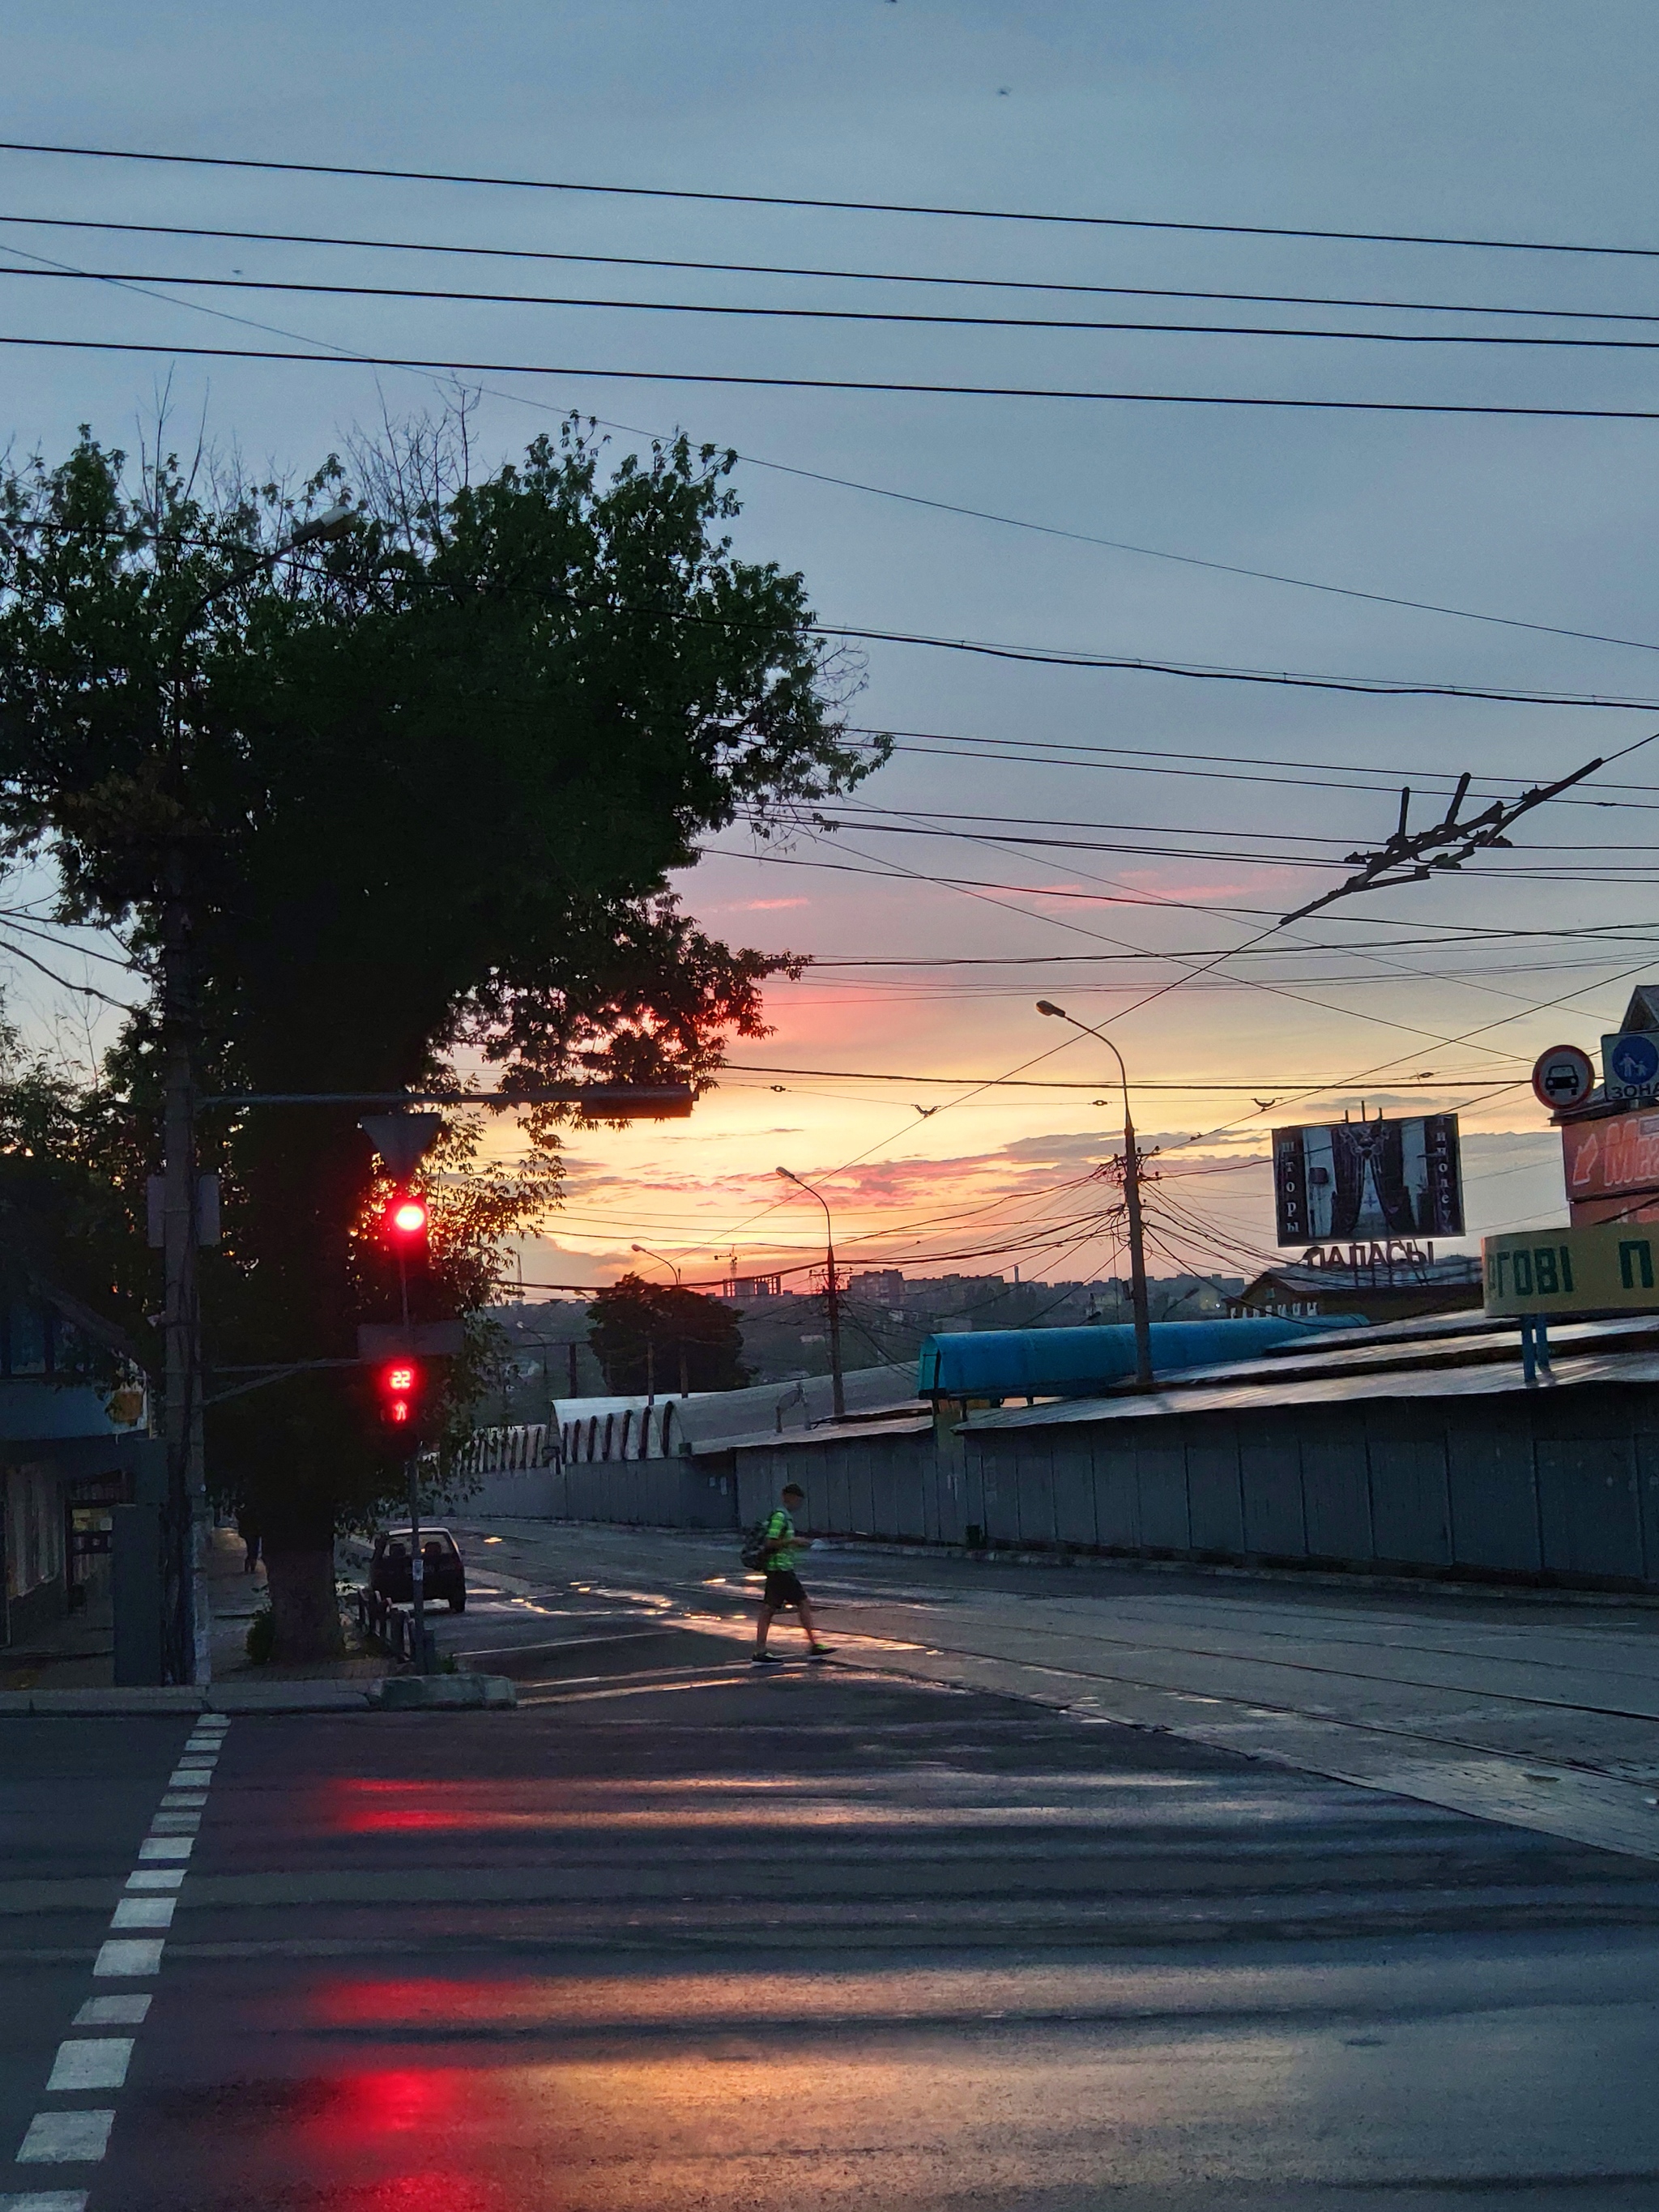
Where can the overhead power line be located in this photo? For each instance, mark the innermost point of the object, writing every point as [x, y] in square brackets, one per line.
[915, 499]
[1015, 1083]
[841, 206]
[1295, 405]
[818, 272]
[784, 312]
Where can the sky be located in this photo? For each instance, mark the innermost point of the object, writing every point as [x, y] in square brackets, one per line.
[1096, 836]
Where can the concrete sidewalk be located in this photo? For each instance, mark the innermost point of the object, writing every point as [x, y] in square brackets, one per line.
[71, 1666]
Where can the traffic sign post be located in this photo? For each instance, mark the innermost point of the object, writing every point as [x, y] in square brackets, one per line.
[1563, 1077]
[1630, 1066]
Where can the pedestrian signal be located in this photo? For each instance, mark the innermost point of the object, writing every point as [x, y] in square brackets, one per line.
[400, 1387]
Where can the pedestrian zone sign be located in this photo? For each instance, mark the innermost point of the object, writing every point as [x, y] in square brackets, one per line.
[1630, 1064]
[1611, 1266]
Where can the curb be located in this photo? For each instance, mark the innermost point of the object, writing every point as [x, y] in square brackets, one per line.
[456, 1693]
[1517, 1593]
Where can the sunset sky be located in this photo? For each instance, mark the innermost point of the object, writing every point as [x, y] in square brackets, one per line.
[1101, 837]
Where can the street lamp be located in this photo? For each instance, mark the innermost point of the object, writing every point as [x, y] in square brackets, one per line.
[837, 1390]
[662, 1261]
[1130, 1201]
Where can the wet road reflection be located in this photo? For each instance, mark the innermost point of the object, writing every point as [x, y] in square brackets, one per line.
[819, 1942]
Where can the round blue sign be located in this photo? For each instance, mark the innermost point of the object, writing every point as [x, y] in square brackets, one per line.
[1635, 1062]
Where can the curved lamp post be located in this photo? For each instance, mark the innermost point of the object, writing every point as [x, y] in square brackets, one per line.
[837, 1391]
[1131, 1202]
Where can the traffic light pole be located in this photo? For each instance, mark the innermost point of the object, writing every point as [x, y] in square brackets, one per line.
[417, 1563]
[186, 1618]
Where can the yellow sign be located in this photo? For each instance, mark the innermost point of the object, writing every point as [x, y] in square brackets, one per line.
[1611, 1267]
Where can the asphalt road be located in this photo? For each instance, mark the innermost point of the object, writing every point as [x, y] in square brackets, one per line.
[679, 1935]
[1545, 1712]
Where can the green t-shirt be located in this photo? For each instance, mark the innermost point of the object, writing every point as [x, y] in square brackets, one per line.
[783, 1560]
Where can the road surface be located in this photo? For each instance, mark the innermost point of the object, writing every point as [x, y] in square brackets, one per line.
[680, 1933]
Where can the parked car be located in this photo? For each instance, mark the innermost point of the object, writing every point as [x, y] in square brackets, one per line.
[444, 1571]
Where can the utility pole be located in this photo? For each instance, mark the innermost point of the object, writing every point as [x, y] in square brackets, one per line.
[832, 1294]
[1143, 1326]
[186, 1623]
[186, 1616]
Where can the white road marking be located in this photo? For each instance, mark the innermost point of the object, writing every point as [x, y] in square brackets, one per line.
[166, 1847]
[127, 2010]
[98, 2062]
[65, 2138]
[128, 1957]
[144, 1912]
[94, 2063]
[45, 2200]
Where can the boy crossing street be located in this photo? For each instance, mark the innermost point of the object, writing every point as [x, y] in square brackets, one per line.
[783, 1584]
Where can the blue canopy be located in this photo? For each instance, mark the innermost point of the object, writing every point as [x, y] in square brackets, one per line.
[1074, 1363]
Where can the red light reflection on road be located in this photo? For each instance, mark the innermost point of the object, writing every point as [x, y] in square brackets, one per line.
[398, 2003]
[394, 2101]
[362, 1807]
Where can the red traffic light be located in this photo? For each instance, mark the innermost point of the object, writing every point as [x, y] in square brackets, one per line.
[400, 1386]
[407, 1219]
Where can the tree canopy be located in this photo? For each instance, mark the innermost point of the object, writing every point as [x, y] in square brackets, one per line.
[418, 790]
[658, 1336]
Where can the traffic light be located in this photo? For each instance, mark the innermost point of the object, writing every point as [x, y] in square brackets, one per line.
[399, 1383]
[406, 1221]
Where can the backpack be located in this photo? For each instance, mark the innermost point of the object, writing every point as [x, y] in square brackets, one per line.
[755, 1554]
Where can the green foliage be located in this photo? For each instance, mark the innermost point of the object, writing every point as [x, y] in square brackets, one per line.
[416, 792]
[71, 1216]
[652, 1334]
[260, 1642]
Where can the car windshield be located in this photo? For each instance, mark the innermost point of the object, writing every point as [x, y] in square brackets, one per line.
[398, 1542]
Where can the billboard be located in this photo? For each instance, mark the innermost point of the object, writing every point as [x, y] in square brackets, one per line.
[1609, 1162]
[1343, 1180]
[1609, 1269]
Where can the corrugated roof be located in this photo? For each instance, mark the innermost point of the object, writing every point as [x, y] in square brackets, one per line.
[1368, 1352]
[830, 1432]
[1262, 1393]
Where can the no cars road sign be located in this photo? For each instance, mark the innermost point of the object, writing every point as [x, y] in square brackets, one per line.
[1564, 1076]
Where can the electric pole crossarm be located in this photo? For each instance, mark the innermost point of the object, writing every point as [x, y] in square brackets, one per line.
[1420, 853]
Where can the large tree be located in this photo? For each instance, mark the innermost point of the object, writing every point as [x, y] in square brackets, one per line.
[414, 795]
[657, 1336]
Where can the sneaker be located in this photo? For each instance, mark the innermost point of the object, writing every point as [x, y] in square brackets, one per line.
[764, 1659]
[820, 1651]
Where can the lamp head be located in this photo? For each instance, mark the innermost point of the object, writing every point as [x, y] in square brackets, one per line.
[787, 1176]
[1048, 1007]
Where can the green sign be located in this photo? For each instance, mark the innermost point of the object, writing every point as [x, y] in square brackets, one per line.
[1612, 1268]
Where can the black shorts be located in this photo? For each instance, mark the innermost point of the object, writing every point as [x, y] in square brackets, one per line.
[783, 1588]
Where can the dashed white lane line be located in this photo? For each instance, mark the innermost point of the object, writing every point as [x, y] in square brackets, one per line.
[67, 2138]
[89, 2064]
[127, 2010]
[45, 2200]
[127, 1958]
[144, 1912]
